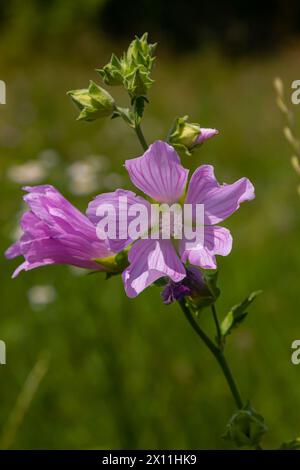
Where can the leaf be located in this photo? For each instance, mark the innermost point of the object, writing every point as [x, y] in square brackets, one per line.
[139, 106]
[125, 114]
[237, 314]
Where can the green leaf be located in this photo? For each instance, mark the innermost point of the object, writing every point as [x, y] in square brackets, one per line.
[237, 314]
[139, 106]
[125, 114]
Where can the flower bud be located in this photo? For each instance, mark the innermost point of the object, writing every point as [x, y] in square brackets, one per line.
[206, 133]
[112, 73]
[140, 52]
[133, 69]
[138, 82]
[245, 428]
[185, 135]
[93, 102]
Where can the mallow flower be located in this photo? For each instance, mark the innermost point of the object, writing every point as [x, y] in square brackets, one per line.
[55, 232]
[159, 174]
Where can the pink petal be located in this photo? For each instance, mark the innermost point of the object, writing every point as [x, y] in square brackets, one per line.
[26, 266]
[13, 251]
[54, 231]
[122, 218]
[158, 173]
[217, 241]
[220, 201]
[150, 260]
[205, 134]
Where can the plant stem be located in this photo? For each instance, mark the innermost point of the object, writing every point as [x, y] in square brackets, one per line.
[216, 351]
[141, 137]
[219, 335]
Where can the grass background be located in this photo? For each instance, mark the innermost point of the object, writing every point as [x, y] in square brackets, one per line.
[130, 373]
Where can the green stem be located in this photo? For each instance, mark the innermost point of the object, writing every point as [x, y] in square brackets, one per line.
[216, 351]
[141, 137]
[219, 335]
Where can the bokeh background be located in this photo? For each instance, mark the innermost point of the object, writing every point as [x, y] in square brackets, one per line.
[91, 368]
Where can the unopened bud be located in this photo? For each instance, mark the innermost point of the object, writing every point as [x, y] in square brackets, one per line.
[185, 135]
[93, 102]
[245, 428]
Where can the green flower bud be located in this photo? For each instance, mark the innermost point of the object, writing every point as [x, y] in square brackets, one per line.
[138, 82]
[245, 428]
[185, 135]
[93, 102]
[112, 73]
[140, 52]
[133, 69]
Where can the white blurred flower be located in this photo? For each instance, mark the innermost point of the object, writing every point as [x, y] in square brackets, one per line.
[83, 178]
[41, 295]
[31, 172]
[49, 157]
[84, 175]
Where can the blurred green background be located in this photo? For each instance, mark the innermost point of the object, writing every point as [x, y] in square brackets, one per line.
[127, 373]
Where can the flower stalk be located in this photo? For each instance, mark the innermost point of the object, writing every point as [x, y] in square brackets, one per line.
[141, 136]
[216, 351]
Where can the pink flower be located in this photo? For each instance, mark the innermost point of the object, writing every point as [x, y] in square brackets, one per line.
[160, 175]
[55, 232]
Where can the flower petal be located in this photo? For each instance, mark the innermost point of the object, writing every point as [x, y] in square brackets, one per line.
[150, 260]
[220, 201]
[54, 231]
[206, 133]
[13, 251]
[217, 241]
[49, 205]
[158, 173]
[121, 200]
